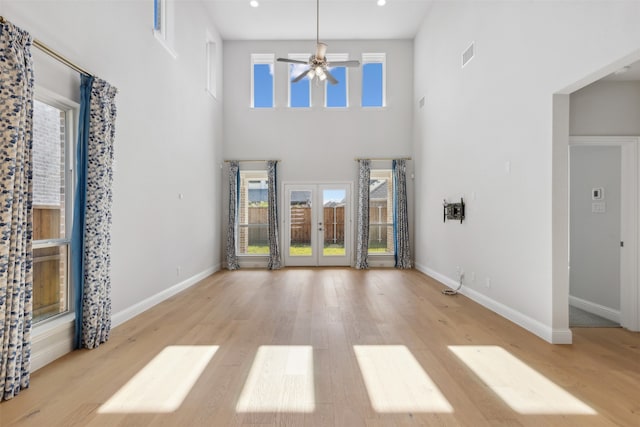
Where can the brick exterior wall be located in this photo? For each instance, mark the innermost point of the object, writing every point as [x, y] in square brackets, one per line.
[48, 143]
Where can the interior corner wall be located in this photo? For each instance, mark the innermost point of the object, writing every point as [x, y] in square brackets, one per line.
[486, 133]
[319, 144]
[168, 133]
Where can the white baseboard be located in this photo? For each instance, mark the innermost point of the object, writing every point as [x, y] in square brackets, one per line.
[128, 313]
[554, 336]
[597, 309]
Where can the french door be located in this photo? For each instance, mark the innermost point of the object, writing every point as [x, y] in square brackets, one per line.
[317, 224]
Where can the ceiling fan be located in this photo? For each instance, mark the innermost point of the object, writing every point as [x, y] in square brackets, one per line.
[318, 64]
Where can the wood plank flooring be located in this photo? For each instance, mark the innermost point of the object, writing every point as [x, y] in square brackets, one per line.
[334, 347]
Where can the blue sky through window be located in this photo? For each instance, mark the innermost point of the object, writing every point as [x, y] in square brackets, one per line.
[262, 85]
[372, 84]
[300, 91]
[337, 94]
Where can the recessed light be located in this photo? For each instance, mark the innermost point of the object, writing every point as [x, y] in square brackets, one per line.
[254, 3]
[382, 2]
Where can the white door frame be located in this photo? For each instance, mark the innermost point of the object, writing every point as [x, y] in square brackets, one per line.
[629, 286]
[318, 260]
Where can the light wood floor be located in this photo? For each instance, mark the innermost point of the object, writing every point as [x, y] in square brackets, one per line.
[405, 331]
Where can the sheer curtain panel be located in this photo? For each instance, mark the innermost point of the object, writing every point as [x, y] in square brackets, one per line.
[362, 224]
[234, 196]
[401, 215]
[272, 196]
[16, 215]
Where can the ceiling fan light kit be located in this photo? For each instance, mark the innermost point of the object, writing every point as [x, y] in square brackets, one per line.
[318, 64]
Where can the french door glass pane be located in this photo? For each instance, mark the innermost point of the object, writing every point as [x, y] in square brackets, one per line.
[300, 223]
[333, 202]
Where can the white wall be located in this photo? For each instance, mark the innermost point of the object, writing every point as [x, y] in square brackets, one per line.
[486, 132]
[318, 144]
[595, 237]
[168, 132]
[606, 108]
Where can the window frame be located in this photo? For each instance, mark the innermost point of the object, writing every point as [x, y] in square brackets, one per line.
[263, 58]
[71, 110]
[375, 58]
[299, 57]
[248, 175]
[332, 57]
[380, 173]
[162, 14]
[211, 53]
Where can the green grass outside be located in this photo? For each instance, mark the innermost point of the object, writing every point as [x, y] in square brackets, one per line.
[306, 250]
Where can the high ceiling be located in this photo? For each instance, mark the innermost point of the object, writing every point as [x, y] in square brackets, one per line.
[296, 19]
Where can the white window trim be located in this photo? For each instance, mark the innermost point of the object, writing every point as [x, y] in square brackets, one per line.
[263, 58]
[375, 172]
[211, 52]
[298, 57]
[368, 58]
[249, 174]
[333, 57]
[163, 34]
[53, 337]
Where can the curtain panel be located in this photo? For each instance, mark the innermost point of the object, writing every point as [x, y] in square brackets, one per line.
[272, 197]
[401, 215]
[91, 235]
[362, 223]
[16, 214]
[234, 199]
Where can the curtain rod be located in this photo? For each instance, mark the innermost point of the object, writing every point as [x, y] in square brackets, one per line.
[55, 55]
[381, 158]
[252, 161]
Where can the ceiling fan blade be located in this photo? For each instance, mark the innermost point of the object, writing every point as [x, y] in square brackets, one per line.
[321, 49]
[301, 76]
[292, 61]
[331, 79]
[352, 63]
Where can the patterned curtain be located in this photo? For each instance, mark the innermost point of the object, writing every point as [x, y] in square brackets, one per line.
[272, 195]
[234, 195]
[16, 220]
[91, 235]
[362, 225]
[400, 215]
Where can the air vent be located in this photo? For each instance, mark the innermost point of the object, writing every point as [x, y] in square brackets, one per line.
[467, 55]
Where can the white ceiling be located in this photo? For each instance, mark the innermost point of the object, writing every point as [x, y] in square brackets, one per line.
[296, 19]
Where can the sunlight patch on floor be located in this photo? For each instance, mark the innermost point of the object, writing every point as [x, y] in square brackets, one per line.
[162, 385]
[396, 382]
[522, 388]
[280, 380]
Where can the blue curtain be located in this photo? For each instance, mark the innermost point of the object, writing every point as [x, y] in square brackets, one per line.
[272, 196]
[362, 224]
[401, 215]
[80, 204]
[91, 233]
[16, 209]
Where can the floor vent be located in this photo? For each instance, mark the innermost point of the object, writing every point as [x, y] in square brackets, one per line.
[467, 55]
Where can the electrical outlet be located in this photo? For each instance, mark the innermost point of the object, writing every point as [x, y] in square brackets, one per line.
[487, 283]
[178, 271]
[473, 277]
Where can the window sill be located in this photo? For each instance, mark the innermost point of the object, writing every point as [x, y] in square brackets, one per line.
[163, 42]
[52, 339]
